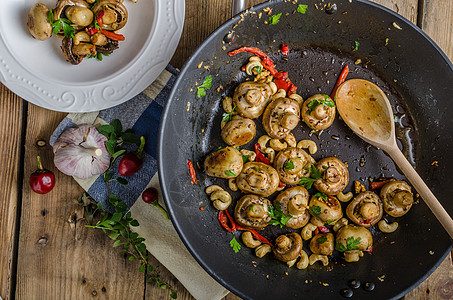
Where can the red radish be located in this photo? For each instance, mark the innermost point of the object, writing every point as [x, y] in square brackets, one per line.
[42, 181]
[130, 163]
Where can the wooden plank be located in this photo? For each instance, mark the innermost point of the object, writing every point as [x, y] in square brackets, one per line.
[58, 259]
[11, 111]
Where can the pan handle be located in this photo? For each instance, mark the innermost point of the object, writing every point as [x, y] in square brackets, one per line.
[237, 6]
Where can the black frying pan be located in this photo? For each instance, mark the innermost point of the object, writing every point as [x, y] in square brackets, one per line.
[418, 79]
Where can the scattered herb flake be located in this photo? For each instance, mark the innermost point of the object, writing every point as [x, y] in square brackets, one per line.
[289, 165]
[245, 158]
[302, 8]
[201, 89]
[356, 46]
[274, 19]
[322, 239]
[230, 173]
[321, 195]
[235, 245]
[315, 210]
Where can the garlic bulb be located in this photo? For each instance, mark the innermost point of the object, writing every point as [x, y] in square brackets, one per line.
[81, 152]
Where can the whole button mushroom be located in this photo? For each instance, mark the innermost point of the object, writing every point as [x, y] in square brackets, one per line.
[322, 243]
[251, 211]
[239, 131]
[288, 246]
[280, 117]
[292, 164]
[79, 9]
[397, 198]
[251, 98]
[352, 240]
[79, 15]
[365, 209]
[115, 14]
[326, 210]
[38, 23]
[294, 203]
[258, 178]
[334, 176]
[318, 112]
[224, 163]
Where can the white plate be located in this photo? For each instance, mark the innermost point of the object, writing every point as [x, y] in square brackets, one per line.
[37, 71]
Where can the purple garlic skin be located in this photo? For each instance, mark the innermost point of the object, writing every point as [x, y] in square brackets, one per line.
[81, 152]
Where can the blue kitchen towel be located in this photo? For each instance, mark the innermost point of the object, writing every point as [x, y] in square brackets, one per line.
[141, 114]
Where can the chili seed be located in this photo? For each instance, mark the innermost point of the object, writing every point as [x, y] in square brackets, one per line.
[355, 284]
[347, 293]
[368, 286]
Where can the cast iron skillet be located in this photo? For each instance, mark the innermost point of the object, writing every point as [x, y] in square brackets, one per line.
[410, 68]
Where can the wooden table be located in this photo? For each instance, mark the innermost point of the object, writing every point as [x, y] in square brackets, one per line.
[45, 250]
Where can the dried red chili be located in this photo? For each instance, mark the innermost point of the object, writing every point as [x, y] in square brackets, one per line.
[378, 184]
[225, 218]
[341, 79]
[192, 173]
[260, 156]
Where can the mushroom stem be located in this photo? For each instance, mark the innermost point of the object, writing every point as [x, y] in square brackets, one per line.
[369, 210]
[295, 205]
[283, 242]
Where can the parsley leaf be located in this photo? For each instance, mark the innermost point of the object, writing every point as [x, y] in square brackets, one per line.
[289, 165]
[351, 244]
[201, 89]
[99, 56]
[315, 210]
[60, 24]
[235, 245]
[315, 102]
[302, 8]
[314, 176]
[245, 158]
[277, 216]
[322, 239]
[356, 46]
[274, 19]
[230, 173]
[321, 195]
[226, 117]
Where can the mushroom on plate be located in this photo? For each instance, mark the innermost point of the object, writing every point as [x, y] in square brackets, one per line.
[353, 240]
[365, 209]
[74, 53]
[322, 243]
[77, 11]
[38, 22]
[251, 98]
[114, 15]
[287, 246]
[318, 111]
[280, 117]
[294, 202]
[334, 176]
[224, 163]
[258, 178]
[292, 164]
[326, 210]
[239, 131]
[397, 198]
[251, 211]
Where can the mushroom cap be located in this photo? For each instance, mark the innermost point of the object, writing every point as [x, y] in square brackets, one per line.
[224, 163]
[319, 116]
[354, 232]
[62, 6]
[325, 210]
[322, 243]
[251, 211]
[334, 176]
[292, 164]
[239, 131]
[288, 246]
[294, 203]
[38, 23]
[397, 198]
[118, 7]
[365, 209]
[280, 117]
[66, 46]
[251, 98]
[258, 178]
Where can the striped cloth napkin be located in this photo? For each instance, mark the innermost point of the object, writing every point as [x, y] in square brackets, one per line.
[142, 114]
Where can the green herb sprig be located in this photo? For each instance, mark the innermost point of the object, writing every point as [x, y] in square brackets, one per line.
[99, 56]
[201, 89]
[274, 19]
[226, 117]
[322, 239]
[314, 176]
[351, 244]
[235, 244]
[315, 210]
[315, 102]
[277, 216]
[61, 23]
[289, 165]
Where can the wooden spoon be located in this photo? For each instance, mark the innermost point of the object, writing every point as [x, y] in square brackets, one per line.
[366, 110]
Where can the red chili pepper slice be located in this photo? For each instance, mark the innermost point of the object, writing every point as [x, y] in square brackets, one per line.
[378, 184]
[225, 218]
[193, 175]
[267, 62]
[99, 17]
[112, 35]
[260, 156]
[323, 229]
[367, 221]
[281, 184]
[91, 30]
[341, 79]
[369, 250]
[284, 50]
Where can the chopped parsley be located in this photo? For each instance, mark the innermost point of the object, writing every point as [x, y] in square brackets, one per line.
[351, 244]
[245, 158]
[235, 245]
[321, 195]
[277, 216]
[302, 8]
[356, 46]
[61, 23]
[315, 102]
[322, 239]
[201, 89]
[315, 210]
[226, 117]
[257, 70]
[99, 56]
[274, 19]
[230, 173]
[289, 165]
[314, 176]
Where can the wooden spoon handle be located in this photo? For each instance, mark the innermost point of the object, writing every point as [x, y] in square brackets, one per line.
[420, 186]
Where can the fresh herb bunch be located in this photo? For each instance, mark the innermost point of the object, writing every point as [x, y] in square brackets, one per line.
[277, 216]
[351, 244]
[201, 89]
[315, 175]
[61, 23]
[315, 102]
